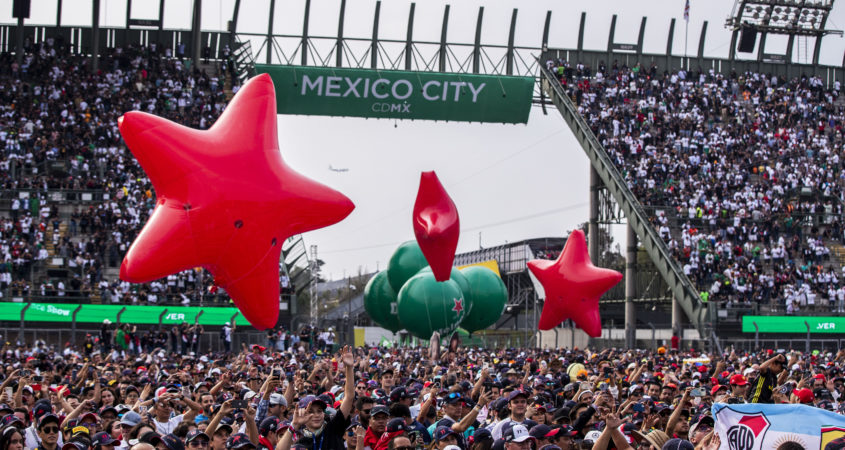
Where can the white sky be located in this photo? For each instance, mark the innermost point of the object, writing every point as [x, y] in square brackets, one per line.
[510, 182]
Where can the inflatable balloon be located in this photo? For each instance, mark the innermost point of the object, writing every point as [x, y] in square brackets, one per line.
[458, 277]
[226, 200]
[573, 286]
[405, 262]
[436, 225]
[488, 296]
[380, 302]
[426, 306]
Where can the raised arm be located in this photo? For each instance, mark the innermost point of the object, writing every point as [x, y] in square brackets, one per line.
[349, 387]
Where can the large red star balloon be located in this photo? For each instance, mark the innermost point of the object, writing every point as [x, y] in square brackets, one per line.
[573, 286]
[436, 225]
[225, 200]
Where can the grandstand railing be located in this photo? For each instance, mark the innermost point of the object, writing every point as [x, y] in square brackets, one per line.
[682, 288]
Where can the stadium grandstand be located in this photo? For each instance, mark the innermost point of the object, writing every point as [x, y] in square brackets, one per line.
[727, 171]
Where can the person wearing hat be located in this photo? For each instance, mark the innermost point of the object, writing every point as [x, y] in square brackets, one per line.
[517, 437]
[395, 427]
[563, 436]
[48, 432]
[764, 384]
[272, 403]
[197, 440]
[267, 430]
[31, 434]
[700, 428]
[309, 418]
[445, 436]
[103, 441]
[539, 432]
[379, 417]
[239, 441]
[739, 387]
[518, 404]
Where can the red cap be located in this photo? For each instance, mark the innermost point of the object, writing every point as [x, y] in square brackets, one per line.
[717, 388]
[738, 380]
[671, 385]
[804, 395]
[819, 376]
[725, 374]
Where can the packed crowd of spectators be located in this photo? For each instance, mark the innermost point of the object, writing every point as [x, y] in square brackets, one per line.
[58, 132]
[744, 171]
[393, 398]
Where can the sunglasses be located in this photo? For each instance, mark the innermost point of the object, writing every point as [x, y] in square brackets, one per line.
[366, 411]
[199, 443]
[50, 430]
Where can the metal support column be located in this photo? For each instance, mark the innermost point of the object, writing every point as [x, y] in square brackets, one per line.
[476, 48]
[95, 36]
[669, 41]
[409, 39]
[677, 318]
[641, 39]
[701, 41]
[19, 39]
[441, 54]
[581, 37]
[196, 32]
[304, 32]
[631, 289]
[593, 227]
[269, 44]
[374, 42]
[510, 51]
[339, 44]
[610, 38]
[23, 314]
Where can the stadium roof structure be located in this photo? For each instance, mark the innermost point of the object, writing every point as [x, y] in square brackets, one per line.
[787, 17]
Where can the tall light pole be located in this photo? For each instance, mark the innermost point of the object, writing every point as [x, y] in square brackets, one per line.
[315, 311]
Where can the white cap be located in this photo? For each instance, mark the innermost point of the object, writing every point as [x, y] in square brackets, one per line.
[518, 434]
[592, 436]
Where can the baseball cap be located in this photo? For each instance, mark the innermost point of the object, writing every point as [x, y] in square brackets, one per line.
[701, 420]
[442, 432]
[481, 434]
[306, 401]
[452, 398]
[540, 431]
[47, 418]
[41, 408]
[172, 442]
[269, 424]
[102, 438]
[738, 380]
[75, 445]
[396, 424]
[515, 394]
[379, 409]
[130, 418]
[678, 444]
[804, 395]
[717, 388]
[239, 440]
[592, 436]
[194, 434]
[398, 394]
[278, 399]
[150, 437]
[517, 433]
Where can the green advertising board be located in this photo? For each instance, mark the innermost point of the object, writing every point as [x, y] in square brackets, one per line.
[134, 314]
[396, 94]
[793, 324]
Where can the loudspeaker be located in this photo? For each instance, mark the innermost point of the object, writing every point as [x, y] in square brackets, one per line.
[20, 9]
[747, 39]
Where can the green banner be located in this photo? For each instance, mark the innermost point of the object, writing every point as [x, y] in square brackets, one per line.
[134, 314]
[794, 324]
[395, 94]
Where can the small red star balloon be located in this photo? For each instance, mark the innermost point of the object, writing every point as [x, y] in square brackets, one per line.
[225, 200]
[436, 225]
[459, 305]
[573, 286]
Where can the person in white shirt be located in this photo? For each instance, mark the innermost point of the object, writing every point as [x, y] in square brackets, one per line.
[163, 418]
